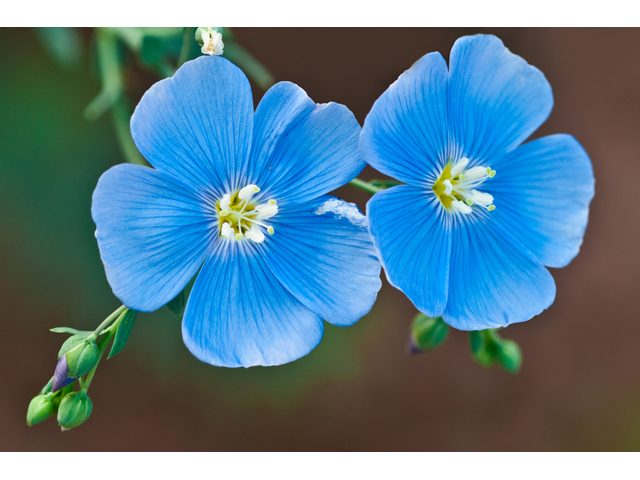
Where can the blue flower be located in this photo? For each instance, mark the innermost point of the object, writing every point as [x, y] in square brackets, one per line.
[239, 197]
[469, 235]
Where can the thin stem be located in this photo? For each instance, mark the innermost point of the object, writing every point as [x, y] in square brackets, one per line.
[187, 38]
[110, 75]
[110, 319]
[366, 186]
[121, 119]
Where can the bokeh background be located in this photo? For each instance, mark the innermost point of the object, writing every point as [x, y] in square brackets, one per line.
[579, 388]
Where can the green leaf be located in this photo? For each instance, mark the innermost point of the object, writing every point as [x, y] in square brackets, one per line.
[72, 331]
[63, 44]
[125, 324]
[178, 304]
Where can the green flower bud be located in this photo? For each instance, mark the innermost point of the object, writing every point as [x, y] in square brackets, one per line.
[82, 354]
[40, 408]
[74, 409]
[510, 356]
[482, 347]
[427, 333]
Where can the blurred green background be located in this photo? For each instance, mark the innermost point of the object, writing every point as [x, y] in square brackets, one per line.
[579, 388]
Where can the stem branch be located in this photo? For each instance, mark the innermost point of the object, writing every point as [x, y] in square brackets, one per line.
[364, 185]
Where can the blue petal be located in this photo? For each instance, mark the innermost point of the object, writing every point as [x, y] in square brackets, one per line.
[542, 193]
[302, 150]
[240, 315]
[494, 280]
[197, 125]
[153, 234]
[412, 233]
[405, 133]
[496, 98]
[322, 253]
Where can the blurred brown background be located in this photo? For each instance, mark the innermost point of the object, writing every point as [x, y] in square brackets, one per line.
[579, 388]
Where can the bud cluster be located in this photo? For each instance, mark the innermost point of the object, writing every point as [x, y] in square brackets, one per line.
[77, 361]
[489, 348]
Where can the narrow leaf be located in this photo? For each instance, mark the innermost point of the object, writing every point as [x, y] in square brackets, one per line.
[124, 330]
[72, 331]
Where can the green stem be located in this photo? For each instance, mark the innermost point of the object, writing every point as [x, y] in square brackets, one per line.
[109, 319]
[366, 186]
[187, 38]
[121, 120]
[102, 346]
[110, 75]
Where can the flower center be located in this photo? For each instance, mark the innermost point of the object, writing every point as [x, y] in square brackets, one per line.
[241, 218]
[456, 187]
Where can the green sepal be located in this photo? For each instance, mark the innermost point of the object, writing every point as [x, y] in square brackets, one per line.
[82, 354]
[72, 331]
[47, 388]
[178, 304]
[72, 343]
[428, 333]
[125, 324]
[40, 408]
[75, 408]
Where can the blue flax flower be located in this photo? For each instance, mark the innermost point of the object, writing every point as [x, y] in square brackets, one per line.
[469, 235]
[240, 197]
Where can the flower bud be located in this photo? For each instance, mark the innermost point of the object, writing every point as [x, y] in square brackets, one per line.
[61, 376]
[40, 408]
[482, 347]
[427, 333]
[509, 356]
[82, 355]
[74, 409]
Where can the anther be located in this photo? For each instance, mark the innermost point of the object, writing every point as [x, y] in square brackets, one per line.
[270, 230]
[247, 192]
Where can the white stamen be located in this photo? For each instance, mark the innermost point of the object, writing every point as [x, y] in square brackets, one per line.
[244, 217]
[226, 231]
[459, 166]
[480, 197]
[225, 202]
[265, 211]
[458, 206]
[448, 187]
[255, 234]
[475, 172]
[460, 186]
[247, 192]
